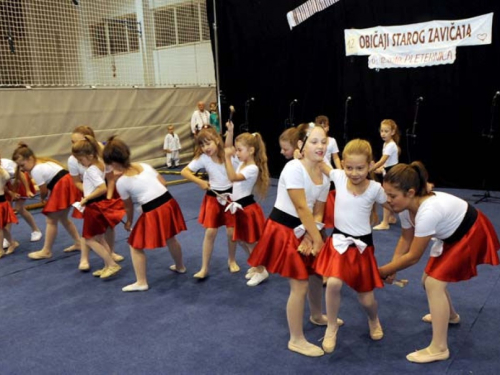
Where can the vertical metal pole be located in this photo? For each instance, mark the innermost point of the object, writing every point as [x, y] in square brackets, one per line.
[216, 45]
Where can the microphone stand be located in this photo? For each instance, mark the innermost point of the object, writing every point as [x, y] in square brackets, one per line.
[244, 127]
[289, 122]
[346, 110]
[413, 133]
[490, 135]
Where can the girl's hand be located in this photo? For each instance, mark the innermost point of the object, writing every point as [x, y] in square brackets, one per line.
[305, 246]
[380, 170]
[228, 151]
[230, 126]
[15, 196]
[127, 226]
[316, 247]
[297, 154]
[30, 194]
[204, 185]
[83, 202]
[325, 168]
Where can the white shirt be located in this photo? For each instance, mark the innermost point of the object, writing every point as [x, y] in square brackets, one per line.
[75, 168]
[217, 175]
[92, 179]
[331, 149]
[244, 188]
[295, 176]
[391, 150]
[43, 173]
[172, 142]
[141, 188]
[438, 216]
[10, 166]
[352, 212]
[198, 119]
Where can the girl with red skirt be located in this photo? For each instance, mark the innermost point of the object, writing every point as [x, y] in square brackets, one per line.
[249, 173]
[7, 216]
[463, 239]
[209, 155]
[99, 213]
[56, 190]
[161, 218]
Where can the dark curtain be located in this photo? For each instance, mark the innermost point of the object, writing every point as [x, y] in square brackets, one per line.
[260, 57]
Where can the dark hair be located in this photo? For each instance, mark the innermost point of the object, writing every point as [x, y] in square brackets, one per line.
[409, 176]
[85, 147]
[116, 151]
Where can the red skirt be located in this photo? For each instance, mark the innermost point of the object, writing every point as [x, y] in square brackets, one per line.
[62, 196]
[212, 214]
[359, 271]
[7, 215]
[100, 216]
[277, 251]
[460, 259]
[249, 223]
[328, 216]
[154, 228]
[18, 187]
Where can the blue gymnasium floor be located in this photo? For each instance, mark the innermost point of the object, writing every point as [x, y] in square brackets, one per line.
[57, 320]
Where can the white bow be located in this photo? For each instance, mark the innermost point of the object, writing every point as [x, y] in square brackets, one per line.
[437, 247]
[341, 243]
[301, 230]
[233, 207]
[223, 199]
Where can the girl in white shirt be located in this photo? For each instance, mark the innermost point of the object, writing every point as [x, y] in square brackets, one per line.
[251, 173]
[99, 212]
[7, 216]
[209, 155]
[161, 218]
[463, 239]
[57, 191]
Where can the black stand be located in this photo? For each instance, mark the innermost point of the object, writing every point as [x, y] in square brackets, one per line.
[490, 135]
[346, 112]
[412, 133]
[246, 126]
[289, 122]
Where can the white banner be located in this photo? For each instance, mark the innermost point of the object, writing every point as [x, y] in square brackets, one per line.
[412, 59]
[417, 37]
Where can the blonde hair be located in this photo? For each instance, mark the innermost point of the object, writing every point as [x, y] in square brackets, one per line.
[260, 157]
[209, 134]
[358, 147]
[290, 135]
[87, 147]
[394, 127]
[22, 151]
[84, 130]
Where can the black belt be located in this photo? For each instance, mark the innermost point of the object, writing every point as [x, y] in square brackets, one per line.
[467, 223]
[367, 238]
[332, 185]
[157, 202]
[246, 201]
[283, 218]
[56, 178]
[98, 199]
[212, 194]
[2, 199]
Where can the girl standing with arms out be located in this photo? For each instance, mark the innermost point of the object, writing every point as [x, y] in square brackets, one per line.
[99, 213]
[349, 256]
[300, 201]
[389, 133]
[251, 174]
[59, 193]
[7, 216]
[76, 171]
[209, 154]
[18, 189]
[463, 239]
[161, 218]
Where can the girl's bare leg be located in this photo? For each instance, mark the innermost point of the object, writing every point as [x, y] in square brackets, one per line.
[208, 247]
[231, 247]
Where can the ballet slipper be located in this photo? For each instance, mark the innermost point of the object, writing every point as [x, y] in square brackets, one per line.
[135, 288]
[381, 227]
[323, 321]
[98, 273]
[37, 255]
[117, 257]
[306, 349]
[428, 319]
[329, 341]
[376, 332]
[110, 271]
[13, 245]
[250, 272]
[174, 268]
[84, 266]
[425, 356]
[233, 267]
[201, 275]
[71, 248]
